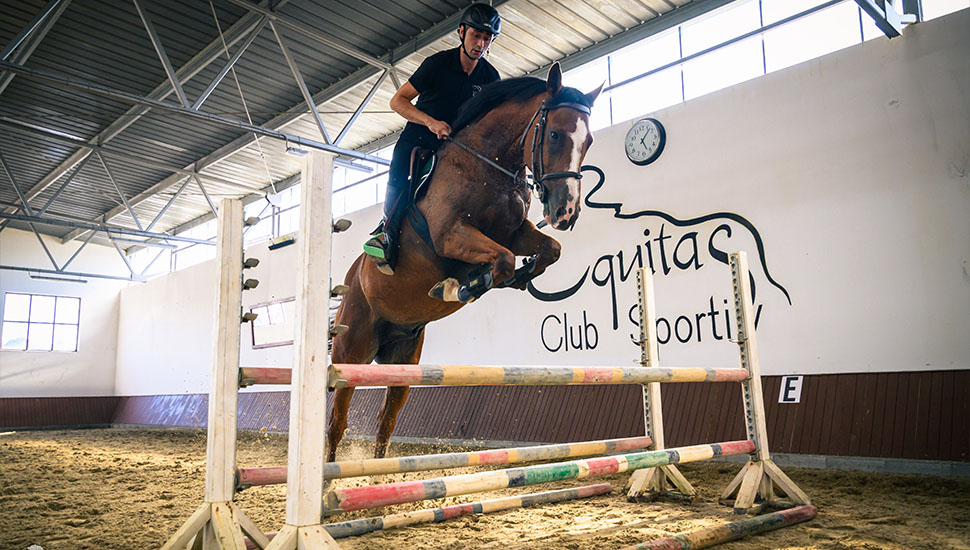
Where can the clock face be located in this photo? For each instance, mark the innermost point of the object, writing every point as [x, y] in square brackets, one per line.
[645, 141]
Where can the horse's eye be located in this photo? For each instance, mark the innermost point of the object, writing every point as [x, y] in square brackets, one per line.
[554, 136]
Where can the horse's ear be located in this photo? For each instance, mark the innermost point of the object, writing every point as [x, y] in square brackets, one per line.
[554, 80]
[591, 97]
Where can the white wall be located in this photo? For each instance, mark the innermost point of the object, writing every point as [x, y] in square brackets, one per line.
[853, 168]
[90, 370]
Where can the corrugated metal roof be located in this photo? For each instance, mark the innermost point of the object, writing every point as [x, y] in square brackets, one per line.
[105, 42]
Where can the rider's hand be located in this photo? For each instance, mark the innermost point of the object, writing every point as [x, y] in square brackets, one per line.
[440, 129]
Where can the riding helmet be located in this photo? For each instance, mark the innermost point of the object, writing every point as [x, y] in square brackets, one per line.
[482, 17]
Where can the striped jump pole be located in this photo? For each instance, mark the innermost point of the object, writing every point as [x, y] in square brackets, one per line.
[271, 475]
[374, 496]
[436, 515]
[711, 536]
[249, 376]
[341, 375]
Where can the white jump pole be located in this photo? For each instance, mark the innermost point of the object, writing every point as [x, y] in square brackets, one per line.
[219, 522]
[308, 401]
[650, 483]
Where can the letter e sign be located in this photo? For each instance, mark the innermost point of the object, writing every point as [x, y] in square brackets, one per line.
[791, 389]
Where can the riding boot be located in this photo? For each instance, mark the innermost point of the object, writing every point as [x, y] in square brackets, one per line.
[383, 246]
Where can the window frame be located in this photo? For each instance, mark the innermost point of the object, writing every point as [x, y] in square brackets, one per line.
[53, 323]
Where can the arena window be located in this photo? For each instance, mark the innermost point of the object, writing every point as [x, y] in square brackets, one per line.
[40, 322]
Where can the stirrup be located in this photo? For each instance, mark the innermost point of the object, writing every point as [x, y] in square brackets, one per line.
[374, 248]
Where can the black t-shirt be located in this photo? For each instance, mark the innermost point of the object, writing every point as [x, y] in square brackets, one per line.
[442, 87]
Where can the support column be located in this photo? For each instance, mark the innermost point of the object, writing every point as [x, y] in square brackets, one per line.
[760, 479]
[650, 483]
[308, 401]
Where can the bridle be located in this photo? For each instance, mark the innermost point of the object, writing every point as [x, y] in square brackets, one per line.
[538, 139]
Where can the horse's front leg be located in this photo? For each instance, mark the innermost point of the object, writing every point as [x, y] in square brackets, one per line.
[529, 241]
[467, 244]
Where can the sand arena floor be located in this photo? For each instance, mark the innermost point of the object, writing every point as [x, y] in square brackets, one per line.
[131, 489]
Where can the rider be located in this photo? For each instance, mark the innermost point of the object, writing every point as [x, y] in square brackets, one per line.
[442, 83]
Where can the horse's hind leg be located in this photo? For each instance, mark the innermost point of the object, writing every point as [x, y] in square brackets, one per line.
[398, 352]
[358, 345]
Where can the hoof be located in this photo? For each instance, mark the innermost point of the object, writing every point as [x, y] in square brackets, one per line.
[446, 291]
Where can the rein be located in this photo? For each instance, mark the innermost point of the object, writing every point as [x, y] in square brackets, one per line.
[538, 139]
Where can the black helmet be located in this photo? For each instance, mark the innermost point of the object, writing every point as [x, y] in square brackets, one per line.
[482, 17]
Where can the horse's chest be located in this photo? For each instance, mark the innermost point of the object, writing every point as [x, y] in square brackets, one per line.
[502, 216]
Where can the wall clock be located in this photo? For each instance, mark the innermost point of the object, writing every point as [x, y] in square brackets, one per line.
[645, 141]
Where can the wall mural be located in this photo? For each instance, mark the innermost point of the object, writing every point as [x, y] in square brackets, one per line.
[663, 252]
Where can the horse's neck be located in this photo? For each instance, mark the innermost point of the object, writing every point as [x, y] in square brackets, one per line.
[499, 133]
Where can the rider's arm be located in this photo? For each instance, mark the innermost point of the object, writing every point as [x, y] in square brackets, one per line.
[401, 104]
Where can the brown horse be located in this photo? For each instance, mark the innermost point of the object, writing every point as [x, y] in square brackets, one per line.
[475, 205]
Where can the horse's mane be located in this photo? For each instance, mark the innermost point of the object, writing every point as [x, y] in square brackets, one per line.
[510, 89]
[495, 94]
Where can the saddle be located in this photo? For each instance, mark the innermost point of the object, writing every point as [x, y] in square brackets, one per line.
[423, 163]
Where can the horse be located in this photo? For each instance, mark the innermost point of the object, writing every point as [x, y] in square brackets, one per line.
[476, 204]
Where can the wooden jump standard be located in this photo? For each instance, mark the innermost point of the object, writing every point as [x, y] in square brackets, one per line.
[271, 475]
[375, 496]
[363, 526]
[219, 523]
[760, 477]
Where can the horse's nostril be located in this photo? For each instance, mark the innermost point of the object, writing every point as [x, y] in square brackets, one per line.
[570, 210]
[560, 212]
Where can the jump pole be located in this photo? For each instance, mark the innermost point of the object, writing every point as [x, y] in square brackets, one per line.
[271, 475]
[650, 483]
[308, 401]
[760, 477]
[347, 375]
[356, 527]
[712, 536]
[220, 522]
[375, 496]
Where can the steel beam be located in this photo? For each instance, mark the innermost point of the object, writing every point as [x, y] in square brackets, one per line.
[205, 193]
[41, 15]
[170, 202]
[90, 87]
[88, 148]
[212, 52]
[26, 208]
[36, 35]
[124, 258]
[319, 37]
[229, 64]
[160, 50]
[346, 84]
[300, 83]
[72, 273]
[78, 251]
[360, 109]
[146, 243]
[915, 8]
[104, 228]
[64, 185]
[121, 194]
[884, 16]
